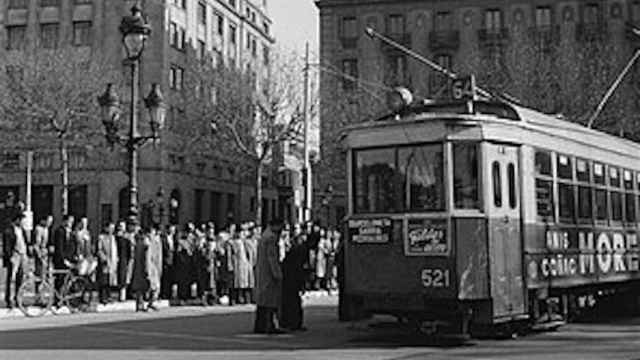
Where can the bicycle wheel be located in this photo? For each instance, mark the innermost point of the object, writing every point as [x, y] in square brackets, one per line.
[35, 296]
[77, 294]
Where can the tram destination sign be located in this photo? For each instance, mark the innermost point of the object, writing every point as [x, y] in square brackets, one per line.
[370, 230]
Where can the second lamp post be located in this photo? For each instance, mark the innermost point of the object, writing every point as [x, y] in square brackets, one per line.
[135, 31]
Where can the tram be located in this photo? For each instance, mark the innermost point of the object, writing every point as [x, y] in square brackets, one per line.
[482, 214]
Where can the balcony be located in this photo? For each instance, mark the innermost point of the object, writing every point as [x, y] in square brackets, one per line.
[493, 38]
[402, 39]
[443, 40]
[545, 38]
[592, 32]
[350, 42]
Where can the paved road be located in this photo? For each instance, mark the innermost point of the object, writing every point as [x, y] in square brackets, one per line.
[224, 333]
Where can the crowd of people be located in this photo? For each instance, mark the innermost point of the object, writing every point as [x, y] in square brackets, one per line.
[194, 264]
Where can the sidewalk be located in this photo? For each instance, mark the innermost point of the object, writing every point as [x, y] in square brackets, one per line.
[125, 306]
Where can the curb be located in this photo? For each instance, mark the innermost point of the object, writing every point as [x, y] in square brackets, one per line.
[126, 306]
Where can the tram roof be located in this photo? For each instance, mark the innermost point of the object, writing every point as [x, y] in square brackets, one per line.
[494, 112]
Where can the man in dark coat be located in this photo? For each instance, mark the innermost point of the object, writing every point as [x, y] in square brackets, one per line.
[15, 248]
[168, 257]
[268, 280]
[64, 248]
[293, 277]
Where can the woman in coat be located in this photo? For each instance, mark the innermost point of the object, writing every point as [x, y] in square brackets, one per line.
[107, 252]
[322, 256]
[154, 265]
[241, 266]
[251, 245]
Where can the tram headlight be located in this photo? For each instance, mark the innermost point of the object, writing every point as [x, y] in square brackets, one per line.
[398, 99]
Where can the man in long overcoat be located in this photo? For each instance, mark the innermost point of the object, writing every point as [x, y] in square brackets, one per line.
[268, 280]
[64, 248]
[154, 265]
[293, 284]
[241, 267]
[169, 241]
[125, 241]
[107, 252]
[140, 274]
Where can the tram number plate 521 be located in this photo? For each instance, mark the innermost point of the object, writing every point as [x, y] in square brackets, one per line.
[435, 278]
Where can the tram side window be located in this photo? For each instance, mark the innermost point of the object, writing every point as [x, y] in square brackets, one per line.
[421, 168]
[614, 177]
[497, 184]
[582, 171]
[598, 173]
[601, 204]
[511, 177]
[584, 203]
[465, 176]
[375, 181]
[564, 167]
[566, 204]
[616, 206]
[543, 163]
[544, 198]
[630, 207]
[628, 180]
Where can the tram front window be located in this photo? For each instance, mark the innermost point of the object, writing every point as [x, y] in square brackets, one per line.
[399, 179]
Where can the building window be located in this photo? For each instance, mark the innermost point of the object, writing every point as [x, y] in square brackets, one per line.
[82, 33]
[493, 20]
[45, 3]
[591, 14]
[202, 49]
[176, 77]
[232, 34]
[78, 201]
[265, 55]
[173, 34]
[49, 35]
[254, 47]
[219, 24]
[443, 21]
[395, 25]
[350, 70]
[18, 4]
[182, 38]
[543, 17]
[16, 36]
[349, 28]
[441, 80]
[202, 13]
[397, 74]
[635, 12]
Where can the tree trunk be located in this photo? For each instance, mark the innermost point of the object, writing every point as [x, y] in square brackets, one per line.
[64, 159]
[259, 194]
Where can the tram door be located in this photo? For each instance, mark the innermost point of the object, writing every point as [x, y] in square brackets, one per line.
[504, 226]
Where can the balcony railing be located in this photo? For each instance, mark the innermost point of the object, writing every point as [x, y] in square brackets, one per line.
[493, 37]
[402, 39]
[350, 42]
[546, 38]
[590, 32]
[444, 40]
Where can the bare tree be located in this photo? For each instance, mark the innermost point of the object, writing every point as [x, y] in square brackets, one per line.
[50, 94]
[244, 113]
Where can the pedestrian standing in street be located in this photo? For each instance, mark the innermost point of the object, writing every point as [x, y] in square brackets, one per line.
[84, 248]
[168, 257]
[322, 256]
[201, 263]
[64, 249]
[15, 257]
[140, 275]
[154, 266]
[224, 270]
[251, 245]
[41, 245]
[107, 253]
[241, 267]
[125, 238]
[293, 277]
[184, 263]
[268, 280]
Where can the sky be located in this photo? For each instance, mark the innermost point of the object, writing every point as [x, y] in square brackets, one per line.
[294, 23]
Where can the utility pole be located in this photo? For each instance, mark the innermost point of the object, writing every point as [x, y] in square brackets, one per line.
[306, 168]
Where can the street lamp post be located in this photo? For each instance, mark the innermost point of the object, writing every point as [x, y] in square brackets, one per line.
[135, 31]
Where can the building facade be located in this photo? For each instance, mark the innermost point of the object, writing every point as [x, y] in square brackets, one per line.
[557, 56]
[177, 183]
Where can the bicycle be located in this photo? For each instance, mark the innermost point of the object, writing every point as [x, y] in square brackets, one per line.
[37, 295]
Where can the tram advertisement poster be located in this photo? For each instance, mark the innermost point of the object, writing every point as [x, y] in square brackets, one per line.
[370, 230]
[426, 237]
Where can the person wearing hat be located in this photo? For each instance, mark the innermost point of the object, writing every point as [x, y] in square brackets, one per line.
[15, 258]
[268, 280]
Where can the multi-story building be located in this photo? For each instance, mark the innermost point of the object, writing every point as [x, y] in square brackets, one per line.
[558, 56]
[186, 184]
